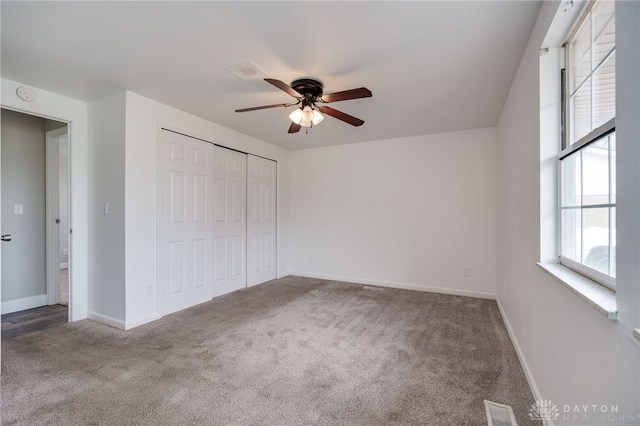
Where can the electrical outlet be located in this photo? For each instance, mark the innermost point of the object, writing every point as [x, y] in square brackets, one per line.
[466, 271]
[148, 291]
[309, 259]
[65, 252]
[18, 209]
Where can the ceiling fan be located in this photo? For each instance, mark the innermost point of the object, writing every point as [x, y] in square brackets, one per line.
[308, 92]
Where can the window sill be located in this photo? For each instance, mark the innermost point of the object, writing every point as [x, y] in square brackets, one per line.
[600, 298]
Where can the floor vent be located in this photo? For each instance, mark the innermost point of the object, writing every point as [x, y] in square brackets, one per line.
[370, 287]
[499, 414]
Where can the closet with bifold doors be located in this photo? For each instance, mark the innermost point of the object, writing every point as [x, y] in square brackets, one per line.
[217, 213]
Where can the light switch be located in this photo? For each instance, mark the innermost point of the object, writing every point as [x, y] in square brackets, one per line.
[18, 209]
[105, 208]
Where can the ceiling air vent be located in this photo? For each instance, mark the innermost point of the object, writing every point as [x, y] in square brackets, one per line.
[248, 71]
[499, 414]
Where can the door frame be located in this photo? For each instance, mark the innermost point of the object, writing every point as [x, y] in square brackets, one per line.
[74, 113]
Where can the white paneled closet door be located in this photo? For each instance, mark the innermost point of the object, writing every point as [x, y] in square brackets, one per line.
[186, 247]
[261, 220]
[229, 226]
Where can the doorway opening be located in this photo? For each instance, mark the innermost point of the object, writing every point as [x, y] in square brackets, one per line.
[35, 212]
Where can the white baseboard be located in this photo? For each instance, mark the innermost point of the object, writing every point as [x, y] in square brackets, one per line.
[403, 286]
[142, 320]
[25, 303]
[107, 320]
[122, 325]
[523, 361]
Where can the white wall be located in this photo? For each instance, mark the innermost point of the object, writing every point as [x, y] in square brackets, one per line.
[144, 118]
[628, 172]
[74, 112]
[572, 354]
[23, 182]
[106, 185]
[407, 213]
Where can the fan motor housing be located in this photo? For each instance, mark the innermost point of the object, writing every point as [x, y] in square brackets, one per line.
[308, 87]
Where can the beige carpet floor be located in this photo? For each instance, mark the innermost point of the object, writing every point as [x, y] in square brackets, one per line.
[293, 351]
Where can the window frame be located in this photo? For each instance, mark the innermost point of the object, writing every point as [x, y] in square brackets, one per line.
[567, 148]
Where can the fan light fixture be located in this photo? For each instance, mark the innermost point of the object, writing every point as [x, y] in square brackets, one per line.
[306, 117]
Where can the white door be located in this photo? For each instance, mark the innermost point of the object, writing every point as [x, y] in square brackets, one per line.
[261, 223]
[186, 270]
[56, 209]
[229, 226]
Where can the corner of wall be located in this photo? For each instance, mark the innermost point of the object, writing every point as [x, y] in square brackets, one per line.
[106, 209]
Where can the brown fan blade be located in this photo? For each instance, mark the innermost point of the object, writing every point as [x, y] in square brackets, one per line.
[263, 107]
[294, 128]
[341, 116]
[284, 87]
[361, 92]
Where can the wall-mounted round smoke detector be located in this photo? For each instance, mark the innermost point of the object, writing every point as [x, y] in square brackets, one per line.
[27, 94]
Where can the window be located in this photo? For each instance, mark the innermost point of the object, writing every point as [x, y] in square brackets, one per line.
[588, 156]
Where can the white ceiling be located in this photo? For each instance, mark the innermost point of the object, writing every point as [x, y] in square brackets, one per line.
[432, 66]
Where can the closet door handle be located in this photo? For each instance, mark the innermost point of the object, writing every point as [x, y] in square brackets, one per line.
[5, 237]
